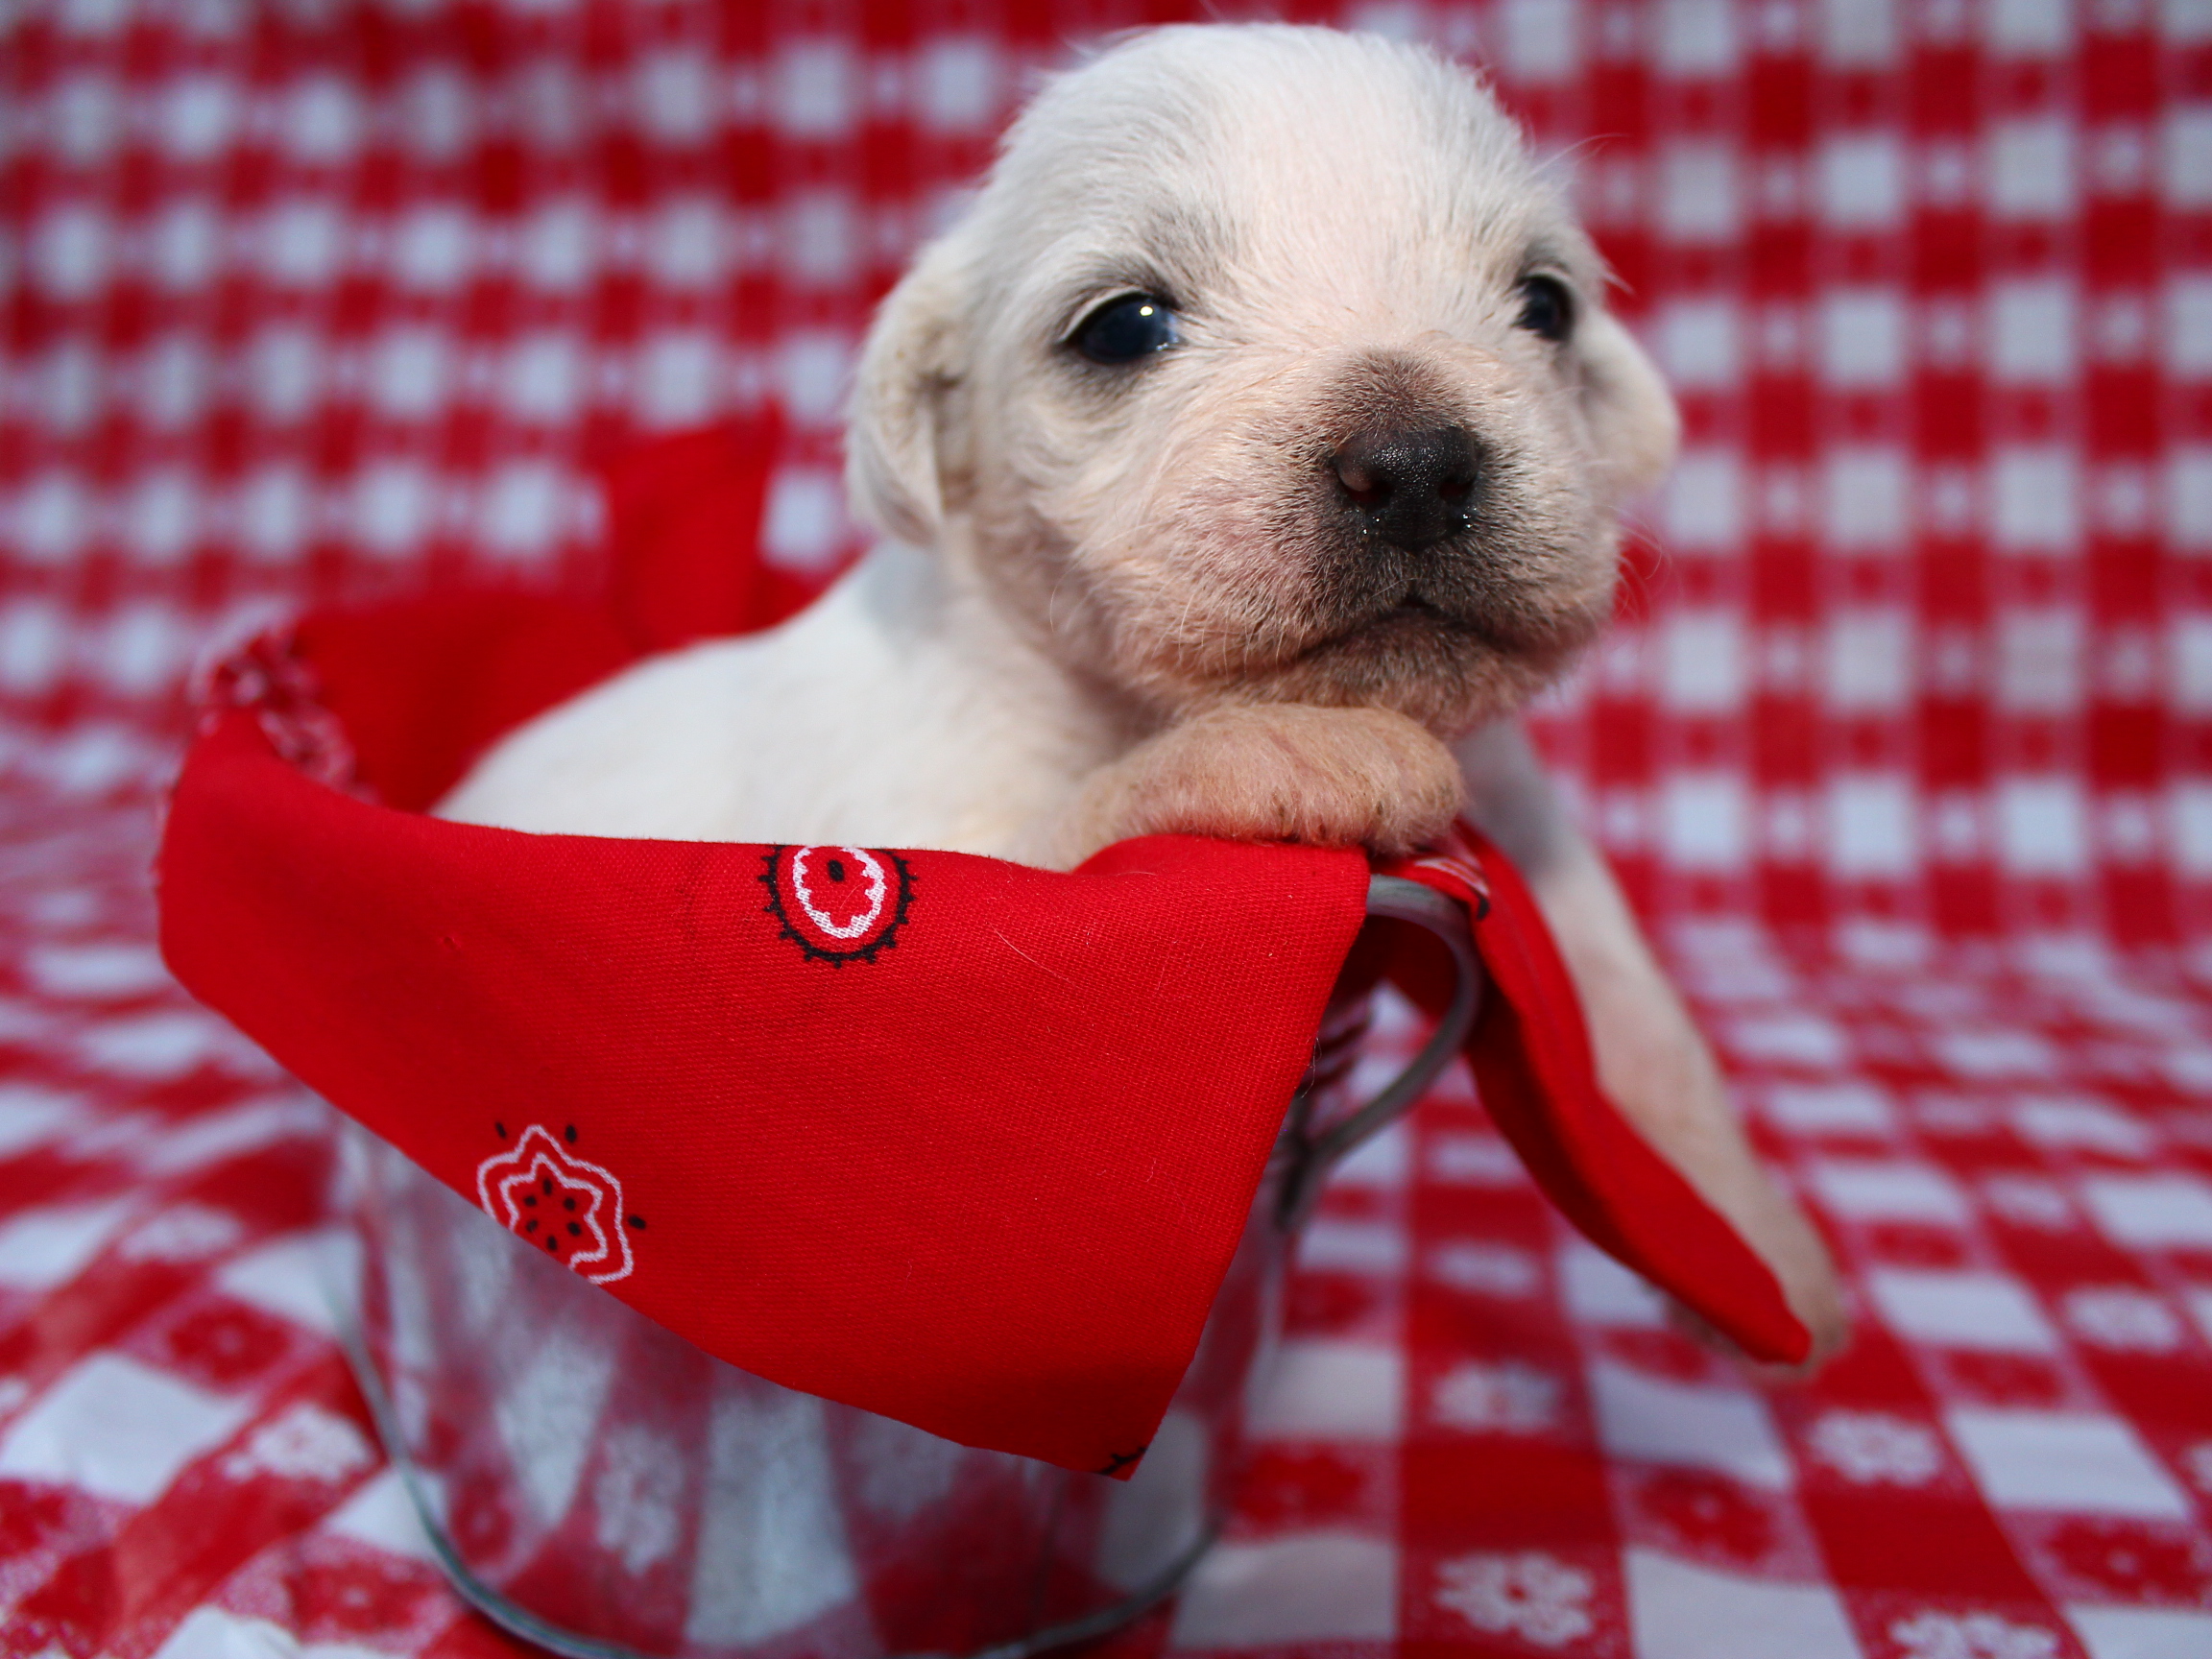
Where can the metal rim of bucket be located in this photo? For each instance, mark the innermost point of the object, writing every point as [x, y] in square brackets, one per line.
[1389, 898]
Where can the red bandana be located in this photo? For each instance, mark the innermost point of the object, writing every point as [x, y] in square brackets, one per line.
[951, 1140]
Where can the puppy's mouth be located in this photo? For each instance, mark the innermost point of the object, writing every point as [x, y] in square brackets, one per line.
[1452, 622]
[1412, 612]
[1441, 663]
[1413, 606]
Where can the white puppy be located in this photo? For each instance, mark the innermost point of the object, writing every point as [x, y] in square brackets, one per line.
[1255, 439]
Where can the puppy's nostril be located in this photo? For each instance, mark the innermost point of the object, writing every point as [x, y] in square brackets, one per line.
[1363, 486]
[1412, 488]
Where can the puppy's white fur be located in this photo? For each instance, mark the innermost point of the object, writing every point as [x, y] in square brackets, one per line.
[1116, 555]
[1122, 599]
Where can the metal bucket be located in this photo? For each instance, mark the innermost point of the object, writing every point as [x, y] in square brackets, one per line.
[602, 1487]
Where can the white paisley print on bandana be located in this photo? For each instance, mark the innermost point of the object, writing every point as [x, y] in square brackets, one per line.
[1971, 1636]
[1535, 1597]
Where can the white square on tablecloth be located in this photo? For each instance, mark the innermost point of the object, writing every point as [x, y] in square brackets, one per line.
[2188, 327]
[546, 1411]
[1697, 194]
[2035, 498]
[675, 94]
[1703, 506]
[1889, 1190]
[31, 1114]
[293, 1276]
[1855, 1108]
[1383, 1161]
[1872, 826]
[1699, 342]
[1949, 1308]
[2198, 1298]
[49, 1246]
[2028, 28]
[1696, 38]
[958, 81]
[1320, 1389]
[212, 1633]
[2040, 650]
[1701, 660]
[1864, 494]
[1792, 1038]
[1705, 819]
[1538, 40]
[816, 85]
[1860, 181]
[2072, 1461]
[1302, 1587]
[118, 1429]
[1857, 33]
[209, 1137]
[1600, 1291]
[381, 1514]
[1656, 1421]
[1862, 336]
[2189, 497]
[2030, 163]
[1993, 1052]
[1336, 1246]
[1473, 1159]
[2069, 1120]
[772, 1552]
[2031, 331]
[806, 518]
[2142, 1632]
[1870, 661]
[2150, 1211]
[2188, 154]
[1678, 1611]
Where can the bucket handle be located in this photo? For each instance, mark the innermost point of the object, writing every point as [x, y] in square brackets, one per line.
[1392, 899]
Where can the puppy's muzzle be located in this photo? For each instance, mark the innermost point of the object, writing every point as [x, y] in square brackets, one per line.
[1412, 488]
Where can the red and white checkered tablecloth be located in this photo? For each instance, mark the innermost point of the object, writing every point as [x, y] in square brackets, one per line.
[1905, 746]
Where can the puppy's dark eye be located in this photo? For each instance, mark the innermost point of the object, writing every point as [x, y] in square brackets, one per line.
[1124, 329]
[1546, 308]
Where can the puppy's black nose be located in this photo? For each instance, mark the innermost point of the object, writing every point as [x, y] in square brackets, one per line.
[1409, 487]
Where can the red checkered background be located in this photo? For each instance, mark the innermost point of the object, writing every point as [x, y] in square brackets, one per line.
[1903, 742]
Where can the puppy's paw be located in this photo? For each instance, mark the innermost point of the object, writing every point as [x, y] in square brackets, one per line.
[1270, 772]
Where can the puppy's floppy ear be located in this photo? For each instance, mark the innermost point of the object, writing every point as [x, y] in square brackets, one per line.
[893, 438]
[1631, 415]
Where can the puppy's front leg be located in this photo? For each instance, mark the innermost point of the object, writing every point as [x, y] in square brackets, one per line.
[1266, 772]
[1652, 1061]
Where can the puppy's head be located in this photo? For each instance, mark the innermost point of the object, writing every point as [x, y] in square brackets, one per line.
[1267, 365]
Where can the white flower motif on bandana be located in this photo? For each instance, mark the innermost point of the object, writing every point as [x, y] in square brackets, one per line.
[1971, 1636]
[1509, 1398]
[1530, 1595]
[547, 1196]
[1872, 1448]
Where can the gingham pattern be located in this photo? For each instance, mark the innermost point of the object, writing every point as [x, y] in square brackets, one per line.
[1904, 744]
